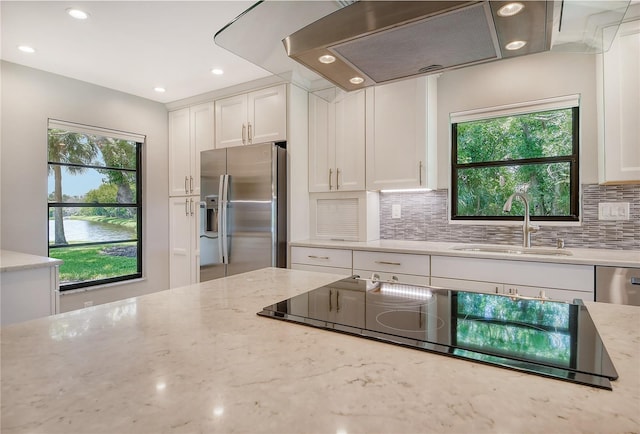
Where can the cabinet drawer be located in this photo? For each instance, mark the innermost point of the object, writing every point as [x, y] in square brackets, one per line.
[320, 269]
[408, 279]
[323, 257]
[392, 262]
[550, 293]
[543, 274]
[467, 285]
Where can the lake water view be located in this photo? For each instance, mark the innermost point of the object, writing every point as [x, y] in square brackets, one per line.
[83, 230]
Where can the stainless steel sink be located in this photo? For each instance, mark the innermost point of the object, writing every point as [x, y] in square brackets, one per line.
[512, 250]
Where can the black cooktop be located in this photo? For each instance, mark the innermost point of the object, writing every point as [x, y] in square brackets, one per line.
[552, 339]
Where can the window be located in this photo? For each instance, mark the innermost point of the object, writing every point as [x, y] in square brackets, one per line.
[95, 204]
[530, 149]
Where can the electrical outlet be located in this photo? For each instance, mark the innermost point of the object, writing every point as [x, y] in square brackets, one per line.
[613, 211]
[396, 211]
[88, 303]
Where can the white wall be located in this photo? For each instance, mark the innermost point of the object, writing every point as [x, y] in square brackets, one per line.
[29, 98]
[527, 78]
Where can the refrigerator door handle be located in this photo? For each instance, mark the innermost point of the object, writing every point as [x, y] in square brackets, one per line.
[224, 215]
[221, 206]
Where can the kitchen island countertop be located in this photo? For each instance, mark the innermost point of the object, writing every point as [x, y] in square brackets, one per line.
[199, 359]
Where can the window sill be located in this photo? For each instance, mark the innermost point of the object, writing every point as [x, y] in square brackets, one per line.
[105, 286]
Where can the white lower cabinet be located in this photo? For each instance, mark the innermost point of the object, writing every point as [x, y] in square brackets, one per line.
[337, 261]
[29, 293]
[564, 282]
[184, 241]
[394, 267]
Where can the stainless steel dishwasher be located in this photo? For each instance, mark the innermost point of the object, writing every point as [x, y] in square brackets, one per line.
[619, 285]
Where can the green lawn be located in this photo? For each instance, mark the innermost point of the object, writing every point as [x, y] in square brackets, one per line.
[93, 262]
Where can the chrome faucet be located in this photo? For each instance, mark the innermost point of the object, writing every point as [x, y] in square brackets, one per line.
[527, 227]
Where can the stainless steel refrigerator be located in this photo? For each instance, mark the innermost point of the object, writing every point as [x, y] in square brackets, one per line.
[243, 209]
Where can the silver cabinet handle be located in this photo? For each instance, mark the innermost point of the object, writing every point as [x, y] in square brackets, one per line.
[420, 173]
[317, 257]
[250, 135]
[337, 179]
[244, 130]
[186, 189]
[420, 317]
[186, 207]
[330, 176]
[635, 280]
[330, 296]
[191, 207]
[388, 263]
[191, 184]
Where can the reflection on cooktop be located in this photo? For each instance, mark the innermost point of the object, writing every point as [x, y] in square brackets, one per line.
[553, 339]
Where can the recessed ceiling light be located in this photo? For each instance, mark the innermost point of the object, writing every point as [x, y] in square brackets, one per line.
[356, 80]
[26, 49]
[160, 89]
[327, 58]
[78, 14]
[510, 9]
[217, 71]
[515, 45]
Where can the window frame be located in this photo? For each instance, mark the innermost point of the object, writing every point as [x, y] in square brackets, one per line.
[520, 109]
[138, 205]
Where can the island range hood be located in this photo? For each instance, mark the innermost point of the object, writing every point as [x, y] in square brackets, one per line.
[355, 44]
[373, 42]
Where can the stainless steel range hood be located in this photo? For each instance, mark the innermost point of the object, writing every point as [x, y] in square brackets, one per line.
[382, 41]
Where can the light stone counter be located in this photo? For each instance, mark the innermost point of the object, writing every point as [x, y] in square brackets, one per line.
[606, 257]
[12, 261]
[199, 359]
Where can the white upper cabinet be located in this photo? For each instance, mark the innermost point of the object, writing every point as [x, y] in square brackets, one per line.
[255, 117]
[401, 135]
[619, 140]
[190, 132]
[337, 142]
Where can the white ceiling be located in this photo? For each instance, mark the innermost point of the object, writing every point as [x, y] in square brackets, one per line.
[130, 46]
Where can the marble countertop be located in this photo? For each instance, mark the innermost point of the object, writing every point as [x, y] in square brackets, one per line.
[606, 257]
[199, 359]
[11, 261]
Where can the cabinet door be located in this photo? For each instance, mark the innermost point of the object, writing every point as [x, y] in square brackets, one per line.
[321, 145]
[201, 140]
[620, 152]
[350, 141]
[179, 242]
[397, 152]
[349, 307]
[183, 241]
[231, 121]
[267, 115]
[321, 304]
[179, 153]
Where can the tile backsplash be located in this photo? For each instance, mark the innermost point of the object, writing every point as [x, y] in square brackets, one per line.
[424, 217]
